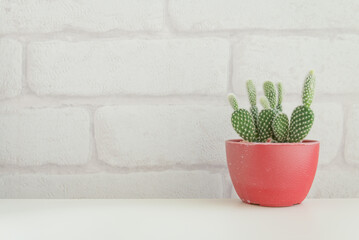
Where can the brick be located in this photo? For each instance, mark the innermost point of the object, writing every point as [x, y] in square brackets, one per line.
[130, 136]
[289, 58]
[208, 15]
[11, 68]
[96, 16]
[168, 184]
[335, 182]
[352, 135]
[44, 136]
[147, 67]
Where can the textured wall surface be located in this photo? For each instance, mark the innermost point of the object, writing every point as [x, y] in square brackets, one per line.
[127, 98]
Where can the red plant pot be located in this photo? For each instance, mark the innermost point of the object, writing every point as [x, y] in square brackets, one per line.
[272, 174]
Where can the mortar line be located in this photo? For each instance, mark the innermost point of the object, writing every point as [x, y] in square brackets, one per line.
[173, 33]
[103, 167]
[33, 100]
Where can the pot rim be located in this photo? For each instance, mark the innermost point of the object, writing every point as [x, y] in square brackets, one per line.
[304, 142]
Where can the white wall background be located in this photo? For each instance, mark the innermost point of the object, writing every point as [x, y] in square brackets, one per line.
[127, 98]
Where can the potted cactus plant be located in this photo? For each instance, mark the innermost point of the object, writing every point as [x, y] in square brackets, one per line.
[272, 165]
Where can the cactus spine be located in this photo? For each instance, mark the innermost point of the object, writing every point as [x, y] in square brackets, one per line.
[271, 123]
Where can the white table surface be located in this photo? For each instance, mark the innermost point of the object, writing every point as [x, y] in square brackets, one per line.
[176, 219]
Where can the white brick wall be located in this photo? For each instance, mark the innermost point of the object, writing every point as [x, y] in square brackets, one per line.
[148, 67]
[168, 184]
[288, 58]
[11, 68]
[91, 15]
[336, 182]
[41, 136]
[352, 138]
[130, 136]
[207, 15]
[127, 98]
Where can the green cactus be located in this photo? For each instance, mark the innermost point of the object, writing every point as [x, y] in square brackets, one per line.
[280, 97]
[280, 127]
[265, 124]
[265, 103]
[267, 115]
[303, 117]
[271, 123]
[242, 122]
[255, 112]
[252, 95]
[308, 89]
[301, 122]
[233, 101]
[270, 93]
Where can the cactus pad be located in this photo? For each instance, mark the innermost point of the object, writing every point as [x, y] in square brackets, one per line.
[308, 89]
[280, 127]
[233, 101]
[252, 95]
[254, 111]
[265, 119]
[265, 103]
[270, 93]
[300, 123]
[242, 122]
[280, 97]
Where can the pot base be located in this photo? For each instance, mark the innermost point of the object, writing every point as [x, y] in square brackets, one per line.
[271, 205]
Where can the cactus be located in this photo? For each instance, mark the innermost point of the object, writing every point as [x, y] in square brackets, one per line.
[265, 124]
[252, 95]
[255, 112]
[267, 115]
[308, 89]
[265, 103]
[301, 122]
[303, 117]
[271, 123]
[233, 101]
[280, 97]
[270, 93]
[242, 122]
[280, 127]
